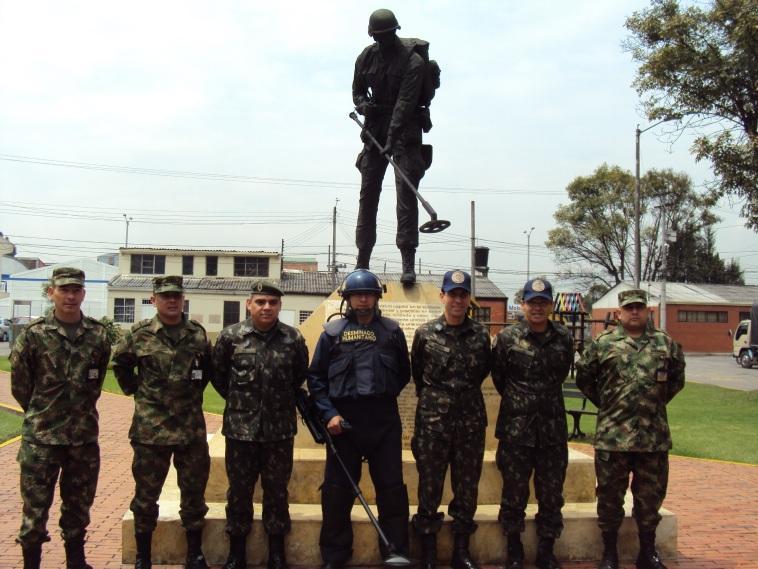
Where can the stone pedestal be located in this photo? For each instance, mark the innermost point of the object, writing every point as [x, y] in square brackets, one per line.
[411, 306]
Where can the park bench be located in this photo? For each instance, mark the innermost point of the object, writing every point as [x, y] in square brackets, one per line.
[571, 391]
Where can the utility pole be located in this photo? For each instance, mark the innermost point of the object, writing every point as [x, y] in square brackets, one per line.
[473, 249]
[333, 266]
[528, 233]
[128, 220]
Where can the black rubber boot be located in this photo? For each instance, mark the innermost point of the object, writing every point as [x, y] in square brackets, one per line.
[75, 554]
[546, 559]
[237, 556]
[428, 551]
[409, 270]
[515, 559]
[195, 557]
[648, 557]
[610, 558]
[277, 558]
[32, 556]
[363, 258]
[461, 557]
[144, 550]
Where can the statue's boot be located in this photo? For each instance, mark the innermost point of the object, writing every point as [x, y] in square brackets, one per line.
[409, 261]
[363, 258]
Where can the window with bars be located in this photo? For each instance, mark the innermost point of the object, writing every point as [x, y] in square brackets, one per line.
[123, 310]
[148, 264]
[211, 265]
[482, 314]
[251, 266]
[304, 314]
[231, 312]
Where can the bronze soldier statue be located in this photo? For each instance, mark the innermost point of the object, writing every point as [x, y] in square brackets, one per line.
[391, 91]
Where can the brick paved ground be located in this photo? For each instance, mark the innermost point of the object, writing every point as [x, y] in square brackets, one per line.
[716, 503]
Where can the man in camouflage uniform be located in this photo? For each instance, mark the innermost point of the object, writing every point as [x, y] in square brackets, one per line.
[260, 364]
[531, 360]
[630, 374]
[386, 89]
[58, 364]
[172, 358]
[450, 358]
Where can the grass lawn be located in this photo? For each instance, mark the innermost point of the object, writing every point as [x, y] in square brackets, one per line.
[706, 422]
[5, 365]
[10, 424]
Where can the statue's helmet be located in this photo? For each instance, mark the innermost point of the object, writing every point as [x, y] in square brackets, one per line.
[361, 280]
[382, 21]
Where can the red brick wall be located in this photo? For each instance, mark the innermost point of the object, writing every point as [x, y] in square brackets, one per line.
[693, 336]
[497, 312]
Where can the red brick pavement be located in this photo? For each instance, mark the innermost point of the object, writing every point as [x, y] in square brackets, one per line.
[716, 503]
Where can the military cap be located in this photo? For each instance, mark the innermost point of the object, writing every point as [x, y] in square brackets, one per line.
[537, 288]
[266, 287]
[168, 284]
[63, 276]
[456, 279]
[632, 296]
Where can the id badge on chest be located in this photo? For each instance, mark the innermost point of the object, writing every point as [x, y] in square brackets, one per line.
[197, 371]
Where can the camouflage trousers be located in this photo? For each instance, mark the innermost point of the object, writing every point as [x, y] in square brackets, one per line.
[516, 464]
[650, 475]
[464, 452]
[245, 462]
[150, 468]
[78, 467]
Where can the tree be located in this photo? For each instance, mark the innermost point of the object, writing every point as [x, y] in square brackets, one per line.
[594, 237]
[692, 259]
[699, 68]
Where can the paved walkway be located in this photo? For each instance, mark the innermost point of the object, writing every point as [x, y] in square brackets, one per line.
[716, 503]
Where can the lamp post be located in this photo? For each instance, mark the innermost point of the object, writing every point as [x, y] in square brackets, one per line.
[128, 220]
[637, 243]
[528, 233]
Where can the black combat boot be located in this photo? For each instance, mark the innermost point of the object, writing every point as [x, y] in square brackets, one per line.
[648, 557]
[409, 270]
[363, 258]
[75, 554]
[195, 557]
[237, 555]
[461, 557]
[546, 559]
[32, 556]
[428, 551]
[144, 550]
[276, 556]
[610, 558]
[515, 559]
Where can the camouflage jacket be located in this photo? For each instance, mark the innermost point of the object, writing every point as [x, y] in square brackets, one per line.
[449, 364]
[57, 381]
[631, 381]
[529, 377]
[258, 374]
[168, 383]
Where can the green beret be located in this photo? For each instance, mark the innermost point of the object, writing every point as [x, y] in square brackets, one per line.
[266, 287]
[632, 296]
[63, 276]
[168, 284]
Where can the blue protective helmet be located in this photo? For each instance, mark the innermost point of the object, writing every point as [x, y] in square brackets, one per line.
[361, 280]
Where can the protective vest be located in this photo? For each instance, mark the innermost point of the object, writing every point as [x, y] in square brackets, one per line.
[360, 367]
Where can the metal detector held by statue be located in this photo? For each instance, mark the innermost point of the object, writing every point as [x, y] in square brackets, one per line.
[321, 435]
[434, 225]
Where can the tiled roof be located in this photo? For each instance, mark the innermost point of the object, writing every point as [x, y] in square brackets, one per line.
[318, 283]
[687, 293]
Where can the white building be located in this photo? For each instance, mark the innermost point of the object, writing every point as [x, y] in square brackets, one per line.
[25, 289]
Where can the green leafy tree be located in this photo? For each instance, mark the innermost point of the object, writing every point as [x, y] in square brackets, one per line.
[112, 330]
[699, 69]
[594, 237]
[692, 258]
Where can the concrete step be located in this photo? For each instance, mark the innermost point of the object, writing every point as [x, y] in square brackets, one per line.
[308, 474]
[580, 538]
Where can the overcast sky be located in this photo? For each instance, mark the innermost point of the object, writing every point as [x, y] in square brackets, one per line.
[224, 124]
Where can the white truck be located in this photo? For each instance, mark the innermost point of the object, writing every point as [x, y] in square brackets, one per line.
[745, 341]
